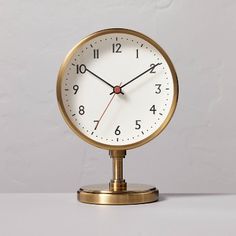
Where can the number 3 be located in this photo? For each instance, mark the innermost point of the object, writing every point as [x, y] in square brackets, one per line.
[158, 88]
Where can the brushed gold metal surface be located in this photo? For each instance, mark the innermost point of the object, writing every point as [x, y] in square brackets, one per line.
[117, 183]
[117, 192]
[62, 72]
[101, 194]
[117, 153]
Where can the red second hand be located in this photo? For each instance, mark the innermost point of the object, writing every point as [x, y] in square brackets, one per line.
[105, 109]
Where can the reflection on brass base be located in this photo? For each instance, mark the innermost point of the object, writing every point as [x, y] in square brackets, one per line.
[101, 194]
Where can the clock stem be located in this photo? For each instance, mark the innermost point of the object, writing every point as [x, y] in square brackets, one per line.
[117, 183]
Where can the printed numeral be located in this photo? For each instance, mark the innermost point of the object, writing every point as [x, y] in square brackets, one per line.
[116, 48]
[95, 53]
[158, 88]
[153, 109]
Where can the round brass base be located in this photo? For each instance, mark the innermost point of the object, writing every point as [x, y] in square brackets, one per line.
[135, 194]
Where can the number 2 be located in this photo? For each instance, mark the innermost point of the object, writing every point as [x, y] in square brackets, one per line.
[152, 70]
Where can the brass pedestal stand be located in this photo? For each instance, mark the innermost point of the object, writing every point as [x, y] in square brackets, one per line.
[118, 192]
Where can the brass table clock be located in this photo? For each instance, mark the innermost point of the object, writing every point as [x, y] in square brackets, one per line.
[117, 90]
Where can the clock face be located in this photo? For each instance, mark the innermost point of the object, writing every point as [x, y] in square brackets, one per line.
[117, 89]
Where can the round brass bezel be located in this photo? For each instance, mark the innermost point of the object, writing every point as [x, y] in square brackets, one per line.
[61, 75]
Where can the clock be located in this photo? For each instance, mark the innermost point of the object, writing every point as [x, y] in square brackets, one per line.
[117, 90]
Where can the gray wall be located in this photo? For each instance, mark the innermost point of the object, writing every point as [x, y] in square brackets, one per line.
[196, 153]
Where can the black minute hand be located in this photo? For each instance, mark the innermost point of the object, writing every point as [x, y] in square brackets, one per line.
[151, 68]
[99, 77]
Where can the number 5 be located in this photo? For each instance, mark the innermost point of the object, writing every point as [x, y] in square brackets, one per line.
[138, 126]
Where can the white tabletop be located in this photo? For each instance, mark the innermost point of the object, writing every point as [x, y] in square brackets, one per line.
[62, 214]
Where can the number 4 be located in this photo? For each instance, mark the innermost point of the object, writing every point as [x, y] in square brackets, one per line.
[153, 109]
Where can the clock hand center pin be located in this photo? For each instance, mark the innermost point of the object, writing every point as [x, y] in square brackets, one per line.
[117, 90]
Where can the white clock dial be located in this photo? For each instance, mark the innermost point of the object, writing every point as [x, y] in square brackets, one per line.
[117, 88]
